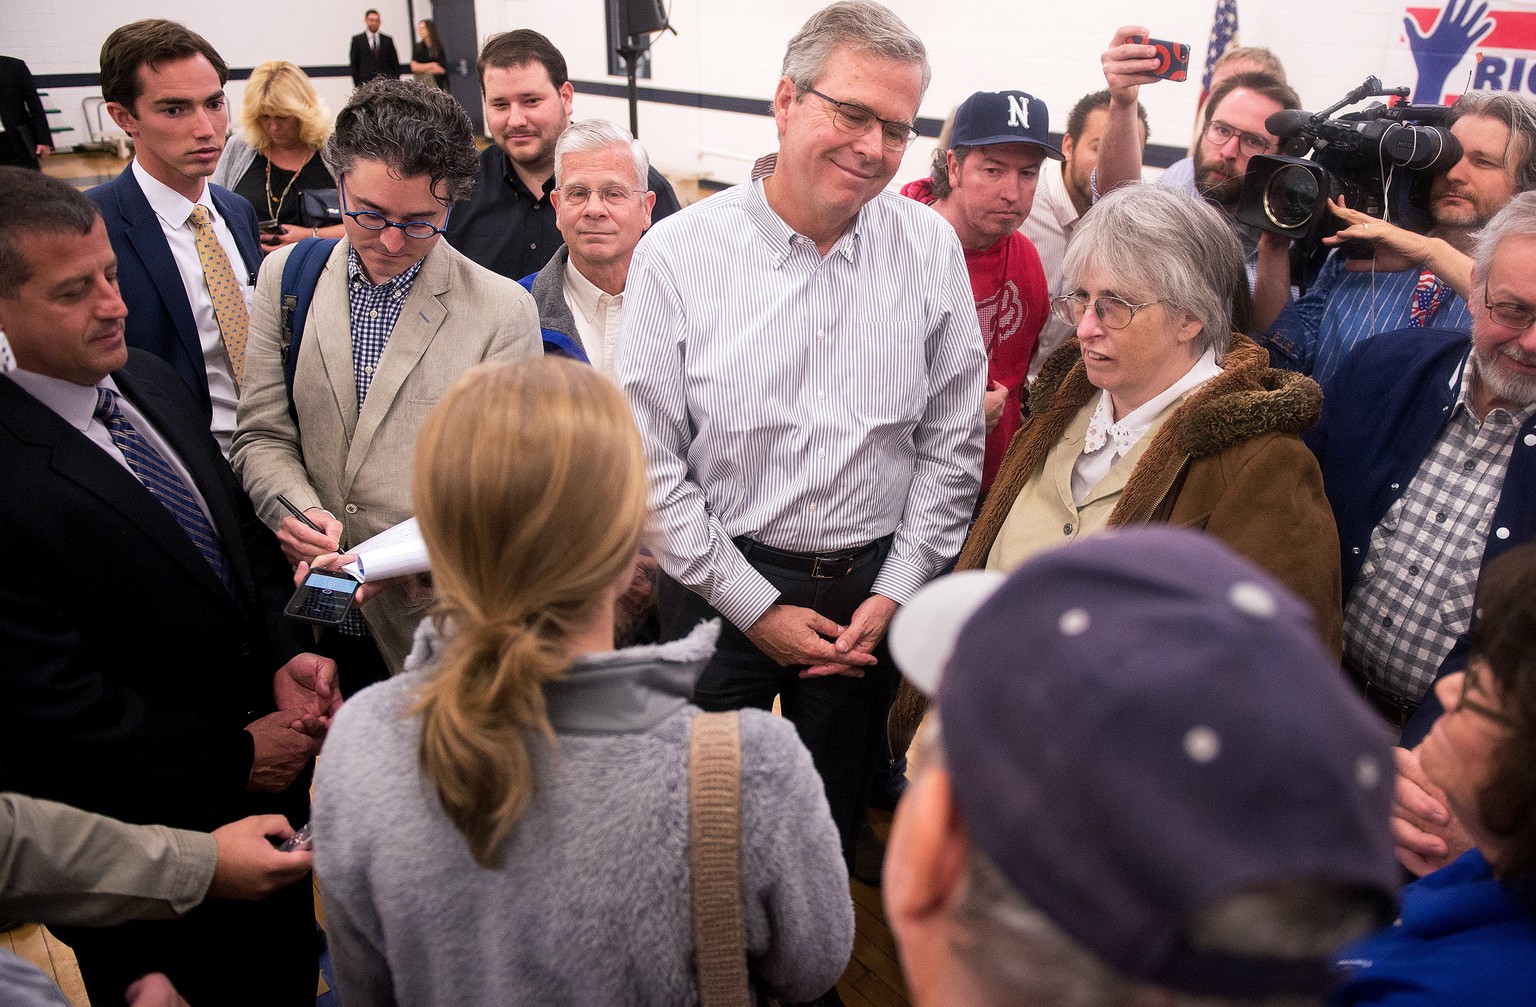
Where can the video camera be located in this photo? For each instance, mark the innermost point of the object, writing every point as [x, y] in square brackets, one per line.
[1355, 156]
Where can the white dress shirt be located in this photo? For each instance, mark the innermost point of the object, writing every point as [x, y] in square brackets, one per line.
[597, 314]
[173, 209]
[1049, 227]
[814, 403]
[1108, 438]
[76, 405]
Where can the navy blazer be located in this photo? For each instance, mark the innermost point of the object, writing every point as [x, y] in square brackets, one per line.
[159, 317]
[130, 672]
[1383, 410]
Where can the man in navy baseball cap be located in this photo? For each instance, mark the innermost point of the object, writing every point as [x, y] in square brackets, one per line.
[1146, 779]
[984, 185]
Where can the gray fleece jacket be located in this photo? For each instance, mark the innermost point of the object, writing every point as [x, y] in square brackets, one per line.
[591, 904]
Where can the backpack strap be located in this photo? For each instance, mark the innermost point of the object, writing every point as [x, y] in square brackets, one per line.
[301, 274]
[714, 858]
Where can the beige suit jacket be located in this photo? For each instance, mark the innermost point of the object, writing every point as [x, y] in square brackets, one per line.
[357, 465]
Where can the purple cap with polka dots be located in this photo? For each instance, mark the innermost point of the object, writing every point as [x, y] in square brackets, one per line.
[1141, 723]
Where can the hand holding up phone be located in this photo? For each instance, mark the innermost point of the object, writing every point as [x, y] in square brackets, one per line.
[1135, 58]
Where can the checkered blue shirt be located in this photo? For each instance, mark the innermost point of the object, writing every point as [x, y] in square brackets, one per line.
[1414, 595]
[375, 309]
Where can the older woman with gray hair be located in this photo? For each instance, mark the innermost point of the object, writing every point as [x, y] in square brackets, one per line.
[1158, 411]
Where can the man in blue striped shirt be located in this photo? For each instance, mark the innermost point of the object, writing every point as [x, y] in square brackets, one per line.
[1416, 280]
[803, 358]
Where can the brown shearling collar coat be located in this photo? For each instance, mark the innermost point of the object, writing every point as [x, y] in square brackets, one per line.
[1228, 462]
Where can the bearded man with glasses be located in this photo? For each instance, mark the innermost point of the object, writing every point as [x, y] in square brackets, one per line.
[1428, 451]
[1232, 133]
[804, 361]
[1158, 412]
[397, 315]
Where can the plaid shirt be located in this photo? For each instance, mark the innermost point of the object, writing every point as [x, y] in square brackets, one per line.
[1414, 595]
[375, 309]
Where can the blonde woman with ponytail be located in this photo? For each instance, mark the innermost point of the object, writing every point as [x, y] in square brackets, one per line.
[507, 822]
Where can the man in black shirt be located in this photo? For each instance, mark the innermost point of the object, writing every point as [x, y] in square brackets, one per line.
[508, 223]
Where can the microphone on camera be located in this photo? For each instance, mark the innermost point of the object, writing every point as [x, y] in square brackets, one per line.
[1288, 122]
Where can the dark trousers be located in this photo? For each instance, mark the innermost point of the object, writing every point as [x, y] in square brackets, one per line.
[358, 662]
[841, 720]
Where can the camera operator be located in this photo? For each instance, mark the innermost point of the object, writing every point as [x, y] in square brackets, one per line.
[1232, 132]
[1414, 280]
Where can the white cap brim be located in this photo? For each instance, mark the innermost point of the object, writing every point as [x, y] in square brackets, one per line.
[924, 632]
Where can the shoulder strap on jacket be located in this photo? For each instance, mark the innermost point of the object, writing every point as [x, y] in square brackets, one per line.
[714, 858]
[301, 274]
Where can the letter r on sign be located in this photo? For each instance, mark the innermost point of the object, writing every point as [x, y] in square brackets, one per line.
[1018, 111]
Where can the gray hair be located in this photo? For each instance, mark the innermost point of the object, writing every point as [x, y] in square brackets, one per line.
[1516, 220]
[597, 134]
[412, 128]
[863, 26]
[1157, 242]
[1517, 113]
[1020, 956]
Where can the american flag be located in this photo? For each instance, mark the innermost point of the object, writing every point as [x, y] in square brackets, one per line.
[1223, 37]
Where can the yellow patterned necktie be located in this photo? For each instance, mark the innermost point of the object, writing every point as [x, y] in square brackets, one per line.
[227, 293]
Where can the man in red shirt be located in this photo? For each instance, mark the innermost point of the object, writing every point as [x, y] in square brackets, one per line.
[984, 185]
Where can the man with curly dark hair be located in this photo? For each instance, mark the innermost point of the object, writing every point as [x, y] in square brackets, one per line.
[396, 315]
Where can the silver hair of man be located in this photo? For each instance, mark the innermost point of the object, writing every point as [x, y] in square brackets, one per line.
[1155, 243]
[862, 26]
[1518, 114]
[1516, 220]
[590, 135]
[1020, 956]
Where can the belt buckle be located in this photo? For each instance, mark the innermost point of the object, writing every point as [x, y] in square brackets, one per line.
[841, 563]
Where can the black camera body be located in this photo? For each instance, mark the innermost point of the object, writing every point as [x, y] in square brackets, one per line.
[1381, 160]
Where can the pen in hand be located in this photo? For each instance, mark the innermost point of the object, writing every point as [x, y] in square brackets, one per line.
[288, 505]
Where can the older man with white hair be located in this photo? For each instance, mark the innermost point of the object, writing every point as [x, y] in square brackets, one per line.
[804, 361]
[602, 206]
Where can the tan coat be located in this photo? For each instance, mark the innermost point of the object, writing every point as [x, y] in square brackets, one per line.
[1228, 462]
[358, 465]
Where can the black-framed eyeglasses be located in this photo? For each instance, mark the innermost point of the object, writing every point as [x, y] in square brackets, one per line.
[370, 221]
[858, 120]
[612, 195]
[1112, 312]
[1472, 678]
[1219, 133]
[1508, 314]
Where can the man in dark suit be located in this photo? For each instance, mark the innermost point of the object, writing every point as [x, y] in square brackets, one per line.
[24, 136]
[141, 610]
[373, 53]
[188, 251]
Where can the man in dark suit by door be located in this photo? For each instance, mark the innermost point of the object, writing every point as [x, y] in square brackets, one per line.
[187, 251]
[149, 672]
[24, 136]
[373, 53]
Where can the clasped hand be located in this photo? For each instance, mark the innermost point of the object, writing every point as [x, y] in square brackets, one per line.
[284, 741]
[793, 635]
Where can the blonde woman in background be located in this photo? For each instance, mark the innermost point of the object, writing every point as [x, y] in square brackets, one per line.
[274, 157]
[507, 821]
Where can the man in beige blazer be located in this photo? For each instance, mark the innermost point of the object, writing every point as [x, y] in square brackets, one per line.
[397, 315]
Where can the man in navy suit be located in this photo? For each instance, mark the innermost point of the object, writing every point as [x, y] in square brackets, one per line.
[164, 86]
[149, 673]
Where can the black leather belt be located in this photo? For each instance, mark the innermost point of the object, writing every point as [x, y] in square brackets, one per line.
[819, 565]
[1393, 707]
